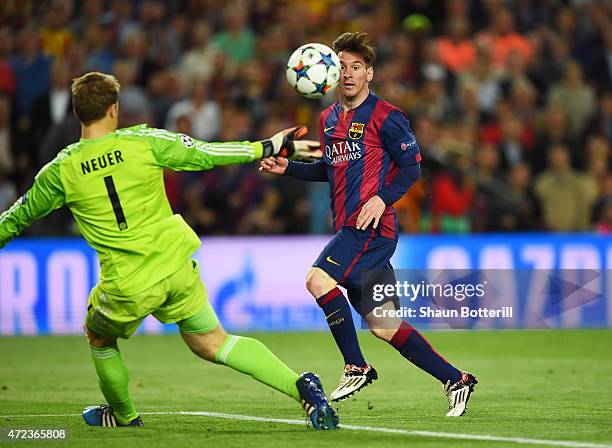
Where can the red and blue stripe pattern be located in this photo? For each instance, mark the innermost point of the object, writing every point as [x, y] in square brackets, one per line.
[364, 148]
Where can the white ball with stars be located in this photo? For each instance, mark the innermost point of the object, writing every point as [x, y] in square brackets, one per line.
[313, 70]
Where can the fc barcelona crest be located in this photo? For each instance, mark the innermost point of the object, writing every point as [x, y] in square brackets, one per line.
[356, 130]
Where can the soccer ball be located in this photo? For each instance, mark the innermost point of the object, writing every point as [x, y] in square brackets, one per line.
[313, 70]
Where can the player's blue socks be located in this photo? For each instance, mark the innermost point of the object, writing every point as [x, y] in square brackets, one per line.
[338, 315]
[415, 348]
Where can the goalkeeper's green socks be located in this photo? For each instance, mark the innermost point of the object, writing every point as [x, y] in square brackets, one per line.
[248, 355]
[113, 380]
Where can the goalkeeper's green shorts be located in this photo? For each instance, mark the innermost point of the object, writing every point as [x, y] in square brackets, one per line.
[180, 298]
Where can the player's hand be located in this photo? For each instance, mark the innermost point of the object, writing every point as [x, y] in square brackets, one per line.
[284, 144]
[274, 165]
[371, 211]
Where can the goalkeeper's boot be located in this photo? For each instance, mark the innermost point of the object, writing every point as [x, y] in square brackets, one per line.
[314, 402]
[352, 380]
[459, 393]
[104, 415]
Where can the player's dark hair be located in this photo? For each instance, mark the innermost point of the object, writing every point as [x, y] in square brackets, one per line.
[359, 43]
[92, 95]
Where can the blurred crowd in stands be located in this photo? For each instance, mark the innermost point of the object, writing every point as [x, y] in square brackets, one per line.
[511, 102]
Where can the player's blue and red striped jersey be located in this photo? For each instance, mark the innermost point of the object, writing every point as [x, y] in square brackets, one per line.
[364, 149]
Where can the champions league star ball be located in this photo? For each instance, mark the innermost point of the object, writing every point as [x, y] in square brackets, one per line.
[313, 70]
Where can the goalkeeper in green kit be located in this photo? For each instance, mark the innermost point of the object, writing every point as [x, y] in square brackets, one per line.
[112, 181]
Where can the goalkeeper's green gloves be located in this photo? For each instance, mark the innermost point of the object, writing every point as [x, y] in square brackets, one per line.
[284, 144]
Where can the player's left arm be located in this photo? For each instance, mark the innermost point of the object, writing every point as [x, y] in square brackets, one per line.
[399, 142]
[183, 153]
[45, 195]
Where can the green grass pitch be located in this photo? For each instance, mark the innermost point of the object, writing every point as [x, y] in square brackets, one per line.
[552, 385]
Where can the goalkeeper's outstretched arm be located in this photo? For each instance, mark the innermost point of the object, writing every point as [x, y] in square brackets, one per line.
[183, 153]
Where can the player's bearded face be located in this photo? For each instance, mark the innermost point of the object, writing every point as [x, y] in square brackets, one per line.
[355, 75]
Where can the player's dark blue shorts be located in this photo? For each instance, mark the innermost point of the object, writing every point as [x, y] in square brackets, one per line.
[349, 254]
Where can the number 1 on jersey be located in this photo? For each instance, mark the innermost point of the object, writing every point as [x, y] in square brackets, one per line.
[114, 197]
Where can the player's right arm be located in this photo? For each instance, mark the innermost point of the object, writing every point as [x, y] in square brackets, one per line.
[313, 172]
[45, 195]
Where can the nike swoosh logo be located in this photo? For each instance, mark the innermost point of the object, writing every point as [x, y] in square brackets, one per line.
[332, 261]
[328, 129]
[331, 314]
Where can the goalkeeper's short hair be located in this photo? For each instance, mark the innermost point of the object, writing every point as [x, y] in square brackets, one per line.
[92, 95]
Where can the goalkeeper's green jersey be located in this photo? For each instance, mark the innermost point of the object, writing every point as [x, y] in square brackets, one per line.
[114, 187]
